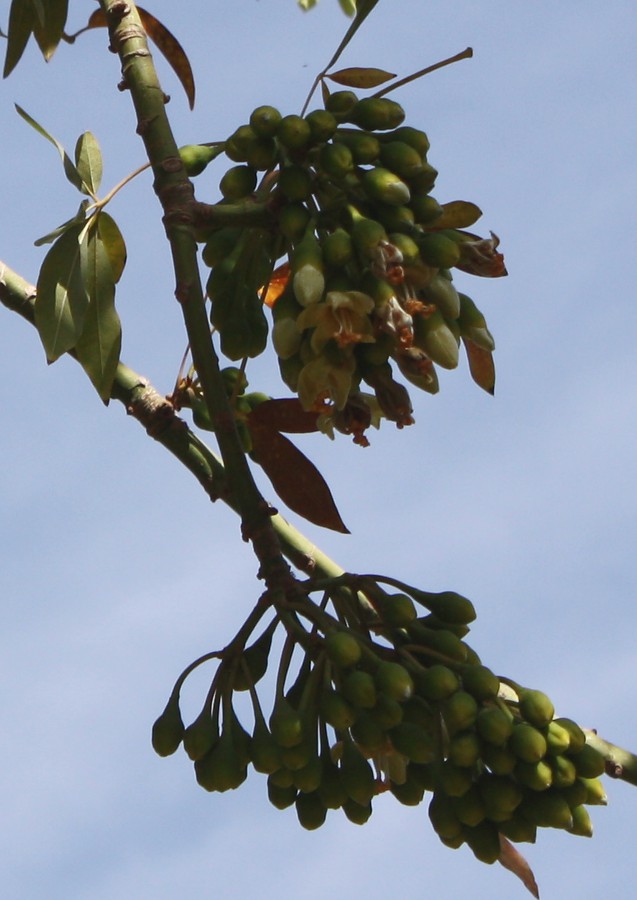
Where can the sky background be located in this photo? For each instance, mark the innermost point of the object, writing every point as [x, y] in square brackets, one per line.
[115, 570]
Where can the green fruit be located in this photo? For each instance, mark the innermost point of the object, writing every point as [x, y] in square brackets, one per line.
[418, 711]
[367, 234]
[383, 186]
[439, 640]
[395, 610]
[448, 606]
[473, 325]
[356, 812]
[500, 795]
[438, 250]
[413, 741]
[394, 681]
[494, 725]
[576, 735]
[293, 221]
[407, 246]
[340, 103]
[441, 291]
[589, 762]
[298, 756]
[433, 335]
[220, 245]
[443, 817]
[411, 136]
[376, 114]
[425, 209]
[310, 810]
[359, 689]
[221, 769]
[357, 775]
[480, 682]
[518, 829]
[281, 797]
[308, 778]
[459, 711]
[256, 658]
[295, 182]
[547, 809]
[484, 841]
[336, 711]
[470, 808]
[438, 683]
[455, 781]
[364, 147]
[343, 649]
[536, 708]
[336, 160]
[367, 732]
[527, 743]
[422, 183]
[331, 789]
[395, 218]
[500, 760]
[538, 776]
[582, 824]
[557, 738]
[286, 724]
[400, 158]
[239, 142]
[238, 182]
[409, 793]
[322, 125]
[293, 132]
[265, 121]
[201, 735]
[387, 712]
[168, 729]
[264, 750]
[195, 157]
[338, 249]
[564, 772]
[595, 793]
[575, 794]
[262, 154]
[464, 749]
[283, 778]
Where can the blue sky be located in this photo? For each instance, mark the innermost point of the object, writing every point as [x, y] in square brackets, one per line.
[115, 571]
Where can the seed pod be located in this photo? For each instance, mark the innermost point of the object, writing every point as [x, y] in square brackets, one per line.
[394, 681]
[448, 606]
[484, 841]
[494, 725]
[439, 250]
[589, 762]
[322, 124]
[536, 708]
[168, 729]
[582, 824]
[356, 774]
[336, 711]
[356, 812]
[376, 114]
[293, 132]
[359, 689]
[413, 742]
[433, 335]
[195, 157]
[281, 797]
[480, 682]
[459, 711]
[310, 810]
[201, 735]
[383, 186]
[473, 325]
[286, 724]
[265, 120]
[470, 807]
[438, 683]
[238, 182]
[527, 743]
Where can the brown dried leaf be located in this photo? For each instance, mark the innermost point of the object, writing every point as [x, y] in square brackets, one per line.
[512, 859]
[481, 365]
[285, 414]
[277, 284]
[359, 77]
[295, 479]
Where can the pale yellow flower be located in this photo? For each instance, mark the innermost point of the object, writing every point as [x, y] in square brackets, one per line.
[343, 317]
[321, 380]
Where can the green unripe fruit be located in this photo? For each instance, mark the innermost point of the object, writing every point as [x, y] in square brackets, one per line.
[308, 778]
[343, 649]
[168, 729]
[264, 750]
[364, 147]
[582, 824]
[298, 756]
[442, 292]
[359, 689]
[595, 793]
[336, 711]
[338, 249]
[400, 158]
[220, 245]
[340, 103]
[239, 142]
[238, 182]
[395, 610]
[376, 114]
[394, 681]
[357, 813]
[464, 749]
[383, 186]
[310, 810]
[281, 797]
[589, 762]
[494, 725]
[423, 182]
[470, 808]
[409, 793]
[293, 221]
[500, 760]
[407, 246]
[536, 708]
[331, 789]
[538, 776]
[195, 158]
[295, 182]
[527, 743]
[366, 235]
[459, 711]
[438, 683]
[455, 781]
[575, 794]
[564, 772]
[439, 251]
[293, 132]
[201, 735]
[443, 817]
[265, 120]
[286, 724]
[263, 154]
[282, 777]
[518, 829]
[367, 732]
[413, 742]
[500, 795]
[322, 125]
[395, 218]
[441, 641]
[558, 739]
[419, 711]
[576, 735]
[484, 841]
[433, 335]
[255, 656]
[548, 809]
[387, 712]
[480, 682]
[336, 160]
[425, 209]
[221, 769]
[473, 325]
[448, 606]
[357, 775]
[411, 136]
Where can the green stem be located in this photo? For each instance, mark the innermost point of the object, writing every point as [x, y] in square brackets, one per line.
[619, 763]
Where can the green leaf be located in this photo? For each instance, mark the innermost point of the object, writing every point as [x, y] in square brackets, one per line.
[49, 25]
[361, 77]
[88, 162]
[114, 245]
[61, 301]
[21, 24]
[458, 214]
[99, 345]
[69, 169]
[78, 218]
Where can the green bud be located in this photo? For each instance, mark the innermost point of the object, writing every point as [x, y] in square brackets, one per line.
[238, 182]
[589, 762]
[582, 824]
[527, 743]
[322, 125]
[376, 114]
[459, 711]
[265, 121]
[336, 711]
[195, 157]
[384, 186]
[356, 774]
[343, 649]
[480, 682]
[310, 810]
[201, 735]
[464, 749]
[448, 606]
[293, 132]
[438, 683]
[359, 689]
[281, 797]
[547, 809]
[336, 160]
[433, 335]
[357, 813]
[438, 250]
[168, 729]
[484, 841]
[286, 724]
[538, 776]
[470, 807]
[264, 750]
[494, 725]
[443, 817]
[394, 681]
[413, 742]
[576, 735]
[340, 103]
[400, 158]
[536, 708]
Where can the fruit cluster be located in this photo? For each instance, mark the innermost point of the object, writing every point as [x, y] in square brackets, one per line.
[369, 251]
[372, 698]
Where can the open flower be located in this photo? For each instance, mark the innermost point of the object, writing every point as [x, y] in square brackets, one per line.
[322, 379]
[343, 317]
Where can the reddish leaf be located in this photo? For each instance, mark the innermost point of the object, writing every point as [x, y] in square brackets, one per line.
[167, 44]
[295, 479]
[512, 859]
[277, 284]
[358, 77]
[481, 365]
[285, 414]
